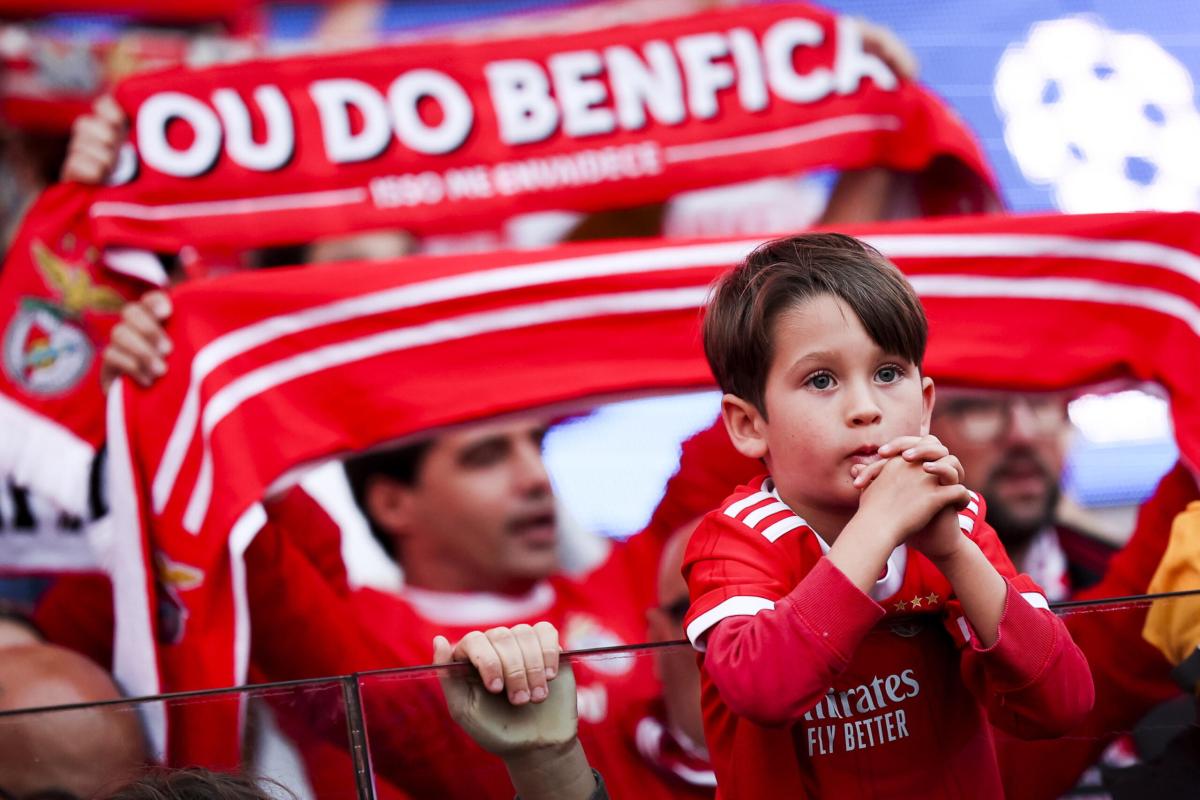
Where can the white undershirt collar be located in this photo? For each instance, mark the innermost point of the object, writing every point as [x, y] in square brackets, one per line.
[1045, 561]
[479, 608]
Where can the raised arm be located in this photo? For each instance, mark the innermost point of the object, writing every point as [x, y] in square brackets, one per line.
[1031, 676]
[867, 195]
[95, 139]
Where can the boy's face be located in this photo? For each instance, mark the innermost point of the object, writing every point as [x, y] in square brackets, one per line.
[833, 397]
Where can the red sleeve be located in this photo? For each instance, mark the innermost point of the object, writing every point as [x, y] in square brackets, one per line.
[773, 667]
[314, 533]
[291, 601]
[731, 570]
[774, 638]
[1033, 680]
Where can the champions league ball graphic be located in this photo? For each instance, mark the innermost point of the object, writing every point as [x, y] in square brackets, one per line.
[1107, 119]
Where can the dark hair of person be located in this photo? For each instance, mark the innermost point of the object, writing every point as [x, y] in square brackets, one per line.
[781, 274]
[195, 783]
[402, 464]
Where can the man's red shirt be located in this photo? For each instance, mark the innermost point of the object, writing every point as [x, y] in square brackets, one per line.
[414, 743]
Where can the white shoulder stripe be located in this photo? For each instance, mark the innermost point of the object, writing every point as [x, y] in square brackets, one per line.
[966, 523]
[1036, 599]
[759, 514]
[786, 525]
[740, 606]
[973, 507]
[741, 505]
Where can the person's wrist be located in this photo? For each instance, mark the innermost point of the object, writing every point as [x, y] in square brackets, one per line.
[560, 771]
[862, 548]
[542, 754]
[873, 524]
[956, 557]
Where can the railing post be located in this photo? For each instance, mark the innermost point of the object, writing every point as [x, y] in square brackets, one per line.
[356, 729]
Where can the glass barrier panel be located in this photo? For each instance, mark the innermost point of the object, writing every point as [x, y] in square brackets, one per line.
[295, 737]
[390, 734]
[306, 736]
[636, 706]
[415, 748]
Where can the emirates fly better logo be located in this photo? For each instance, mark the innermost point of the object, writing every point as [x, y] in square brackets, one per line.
[1106, 119]
[861, 717]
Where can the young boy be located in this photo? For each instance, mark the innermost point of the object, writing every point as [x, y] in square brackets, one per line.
[817, 342]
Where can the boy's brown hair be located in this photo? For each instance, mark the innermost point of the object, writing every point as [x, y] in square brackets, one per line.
[780, 274]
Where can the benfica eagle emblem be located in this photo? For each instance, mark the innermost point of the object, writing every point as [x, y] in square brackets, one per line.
[46, 351]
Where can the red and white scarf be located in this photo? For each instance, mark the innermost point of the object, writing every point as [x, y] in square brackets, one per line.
[60, 295]
[212, 184]
[455, 135]
[275, 370]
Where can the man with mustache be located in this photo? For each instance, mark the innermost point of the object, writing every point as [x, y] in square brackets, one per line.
[1012, 447]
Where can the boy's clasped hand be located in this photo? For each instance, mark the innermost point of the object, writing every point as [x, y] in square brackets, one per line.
[915, 490]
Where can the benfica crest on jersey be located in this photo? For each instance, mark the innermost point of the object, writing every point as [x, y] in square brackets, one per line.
[46, 351]
[586, 632]
[907, 628]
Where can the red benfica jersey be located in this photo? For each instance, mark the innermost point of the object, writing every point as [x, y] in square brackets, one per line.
[832, 693]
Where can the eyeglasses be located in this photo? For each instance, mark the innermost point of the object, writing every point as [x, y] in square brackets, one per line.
[986, 419]
[678, 609]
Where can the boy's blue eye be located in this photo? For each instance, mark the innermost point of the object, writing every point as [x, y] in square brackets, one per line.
[889, 374]
[821, 380]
